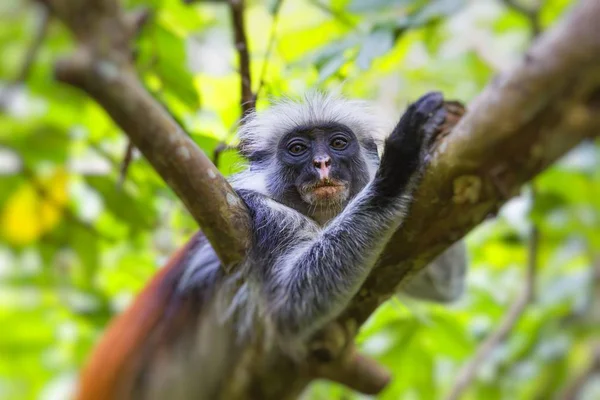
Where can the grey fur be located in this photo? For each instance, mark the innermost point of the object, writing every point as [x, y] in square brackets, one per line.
[304, 264]
[302, 270]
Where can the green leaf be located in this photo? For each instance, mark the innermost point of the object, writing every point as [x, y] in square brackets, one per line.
[376, 44]
[362, 6]
[35, 140]
[85, 243]
[436, 9]
[163, 53]
[138, 214]
[331, 67]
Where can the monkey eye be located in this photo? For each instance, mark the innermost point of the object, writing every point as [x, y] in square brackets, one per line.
[339, 143]
[296, 148]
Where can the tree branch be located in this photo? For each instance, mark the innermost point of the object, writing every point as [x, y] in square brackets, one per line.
[241, 44]
[574, 388]
[524, 120]
[248, 99]
[124, 168]
[521, 123]
[101, 65]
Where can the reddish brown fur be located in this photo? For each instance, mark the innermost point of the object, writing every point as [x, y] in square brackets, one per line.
[109, 373]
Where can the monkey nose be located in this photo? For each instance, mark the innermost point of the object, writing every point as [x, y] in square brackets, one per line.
[323, 165]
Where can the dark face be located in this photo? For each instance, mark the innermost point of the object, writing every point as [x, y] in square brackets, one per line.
[322, 168]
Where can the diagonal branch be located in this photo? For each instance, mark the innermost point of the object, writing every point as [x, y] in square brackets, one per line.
[102, 66]
[523, 121]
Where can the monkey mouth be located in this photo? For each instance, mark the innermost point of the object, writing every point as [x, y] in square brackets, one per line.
[325, 192]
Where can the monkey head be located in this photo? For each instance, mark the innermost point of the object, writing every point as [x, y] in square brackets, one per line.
[313, 155]
[321, 164]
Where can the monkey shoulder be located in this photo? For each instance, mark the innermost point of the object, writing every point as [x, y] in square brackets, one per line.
[276, 228]
[274, 219]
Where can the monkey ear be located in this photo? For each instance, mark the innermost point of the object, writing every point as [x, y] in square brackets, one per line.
[254, 156]
[245, 150]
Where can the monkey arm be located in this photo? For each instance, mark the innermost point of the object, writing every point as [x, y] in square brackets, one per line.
[313, 273]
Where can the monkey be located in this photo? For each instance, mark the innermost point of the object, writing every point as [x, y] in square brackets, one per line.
[326, 187]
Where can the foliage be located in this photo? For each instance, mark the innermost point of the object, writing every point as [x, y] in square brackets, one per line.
[76, 245]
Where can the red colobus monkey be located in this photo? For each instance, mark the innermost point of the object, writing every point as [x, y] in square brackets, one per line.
[323, 205]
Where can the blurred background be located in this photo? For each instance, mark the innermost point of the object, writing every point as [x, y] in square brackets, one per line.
[84, 222]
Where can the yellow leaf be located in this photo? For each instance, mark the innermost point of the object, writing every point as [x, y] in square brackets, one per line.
[34, 209]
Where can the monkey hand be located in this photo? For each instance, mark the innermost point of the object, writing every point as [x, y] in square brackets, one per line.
[419, 124]
[406, 150]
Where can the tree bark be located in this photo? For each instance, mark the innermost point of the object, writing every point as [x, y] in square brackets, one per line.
[102, 66]
[523, 121]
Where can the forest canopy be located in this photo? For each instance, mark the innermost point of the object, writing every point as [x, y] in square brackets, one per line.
[86, 221]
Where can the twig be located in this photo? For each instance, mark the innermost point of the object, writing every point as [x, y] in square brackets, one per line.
[468, 373]
[138, 18]
[270, 45]
[245, 76]
[574, 388]
[221, 147]
[30, 55]
[241, 44]
[532, 14]
[125, 164]
[247, 98]
[38, 39]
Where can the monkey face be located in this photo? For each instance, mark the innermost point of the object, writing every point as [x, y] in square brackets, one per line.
[322, 165]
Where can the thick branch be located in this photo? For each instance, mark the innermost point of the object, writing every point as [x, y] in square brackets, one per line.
[523, 121]
[102, 67]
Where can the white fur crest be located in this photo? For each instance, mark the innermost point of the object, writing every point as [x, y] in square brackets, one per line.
[262, 131]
